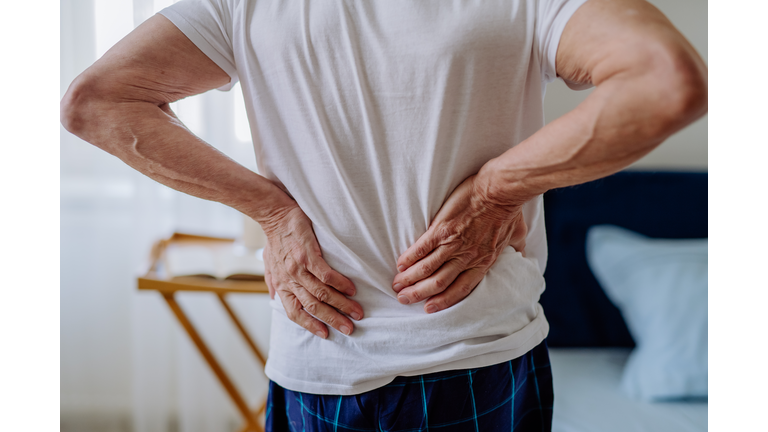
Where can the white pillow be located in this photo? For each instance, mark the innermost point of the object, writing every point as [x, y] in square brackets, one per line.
[660, 286]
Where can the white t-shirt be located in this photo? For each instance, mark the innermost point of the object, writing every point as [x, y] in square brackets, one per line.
[369, 114]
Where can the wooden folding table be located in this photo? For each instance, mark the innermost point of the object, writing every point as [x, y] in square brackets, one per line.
[155, 279]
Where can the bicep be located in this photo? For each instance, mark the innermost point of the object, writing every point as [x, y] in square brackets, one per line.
[155, 63]
[604, 38]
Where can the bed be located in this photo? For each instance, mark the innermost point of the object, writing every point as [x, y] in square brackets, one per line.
[589, 338]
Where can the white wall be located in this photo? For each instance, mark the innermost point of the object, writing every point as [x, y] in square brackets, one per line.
[687, 149]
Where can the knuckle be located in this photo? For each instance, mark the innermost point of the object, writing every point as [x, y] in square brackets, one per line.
[463, 261]
[443, 232]
[332, 321]
[425, 268]
[311, 308]
[465, 289]
[416, 296]
[309, 324]
[324, 276]
[486, 258]
[440, 284]
[301, 257]
[292, 267]
[302, 271]
[323, 295]
[474, 254]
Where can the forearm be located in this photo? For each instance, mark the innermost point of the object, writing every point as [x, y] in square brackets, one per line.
[650, 82]
[150, 138]
[623, 119]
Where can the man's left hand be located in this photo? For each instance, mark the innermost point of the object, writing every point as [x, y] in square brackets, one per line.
[463, 241]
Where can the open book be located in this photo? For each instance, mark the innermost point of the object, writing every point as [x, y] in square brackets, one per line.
[233, 262]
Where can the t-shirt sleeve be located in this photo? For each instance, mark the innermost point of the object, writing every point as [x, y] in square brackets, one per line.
[208, 24]
[551, 17]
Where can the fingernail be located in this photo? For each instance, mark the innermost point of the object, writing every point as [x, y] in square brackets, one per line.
[355, 316]
[401, 269]
[403, 299]
[346, 330]
[351, 292]
[397, 287]
[320, 334]
[431, 309]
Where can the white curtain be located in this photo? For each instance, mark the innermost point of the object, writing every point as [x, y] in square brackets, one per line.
[123, 355]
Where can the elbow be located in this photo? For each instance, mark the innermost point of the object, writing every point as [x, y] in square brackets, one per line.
[71, 107]
[689, 99]
[682, 92]
[75, 105]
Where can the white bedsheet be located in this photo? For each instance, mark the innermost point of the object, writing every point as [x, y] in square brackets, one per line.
[588, 398]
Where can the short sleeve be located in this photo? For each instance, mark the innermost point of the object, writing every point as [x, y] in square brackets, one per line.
[208, 24]
[551, 17]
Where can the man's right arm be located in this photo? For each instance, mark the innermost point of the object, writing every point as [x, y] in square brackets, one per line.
[121, 105]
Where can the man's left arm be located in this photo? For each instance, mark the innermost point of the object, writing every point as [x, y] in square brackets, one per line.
[121, 105]
[650, 83]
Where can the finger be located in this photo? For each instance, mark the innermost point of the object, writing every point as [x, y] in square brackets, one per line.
[517, 243]
[329, 295]
[519, 246]
[328, 276]
[433, 285]
[322, 311]
[517, 240]
[267, 273]
[268, 281]
[423, 268]
[456, 292]
[293, 308]
[423, 246]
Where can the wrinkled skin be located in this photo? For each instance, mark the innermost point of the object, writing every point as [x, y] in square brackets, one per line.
[462, 243]
[307, 286]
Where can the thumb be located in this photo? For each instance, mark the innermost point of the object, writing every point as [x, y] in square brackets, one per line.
[519, 234]
[268, 280]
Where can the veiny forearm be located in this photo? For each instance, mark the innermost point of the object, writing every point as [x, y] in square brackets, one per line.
[152, 140]
[650, 83]
[624, 118]
[120, 104]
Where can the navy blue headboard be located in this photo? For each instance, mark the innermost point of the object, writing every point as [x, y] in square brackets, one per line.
[656, 204]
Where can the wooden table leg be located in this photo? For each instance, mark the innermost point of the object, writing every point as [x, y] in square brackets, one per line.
[242, 330]
[250, 419]
[262, 410]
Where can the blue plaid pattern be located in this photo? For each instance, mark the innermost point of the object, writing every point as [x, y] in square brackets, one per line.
[510, 396]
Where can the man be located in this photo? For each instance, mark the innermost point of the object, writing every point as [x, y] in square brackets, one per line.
[404, 158]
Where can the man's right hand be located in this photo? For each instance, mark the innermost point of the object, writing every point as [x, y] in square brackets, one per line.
[310, 290]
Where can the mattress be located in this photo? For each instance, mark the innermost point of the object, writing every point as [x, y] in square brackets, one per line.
[588, 397]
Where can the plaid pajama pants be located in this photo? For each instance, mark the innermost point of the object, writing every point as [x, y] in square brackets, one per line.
[510, 396]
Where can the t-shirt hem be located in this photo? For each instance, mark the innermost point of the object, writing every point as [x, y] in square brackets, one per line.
[190, 32]
[483, 360]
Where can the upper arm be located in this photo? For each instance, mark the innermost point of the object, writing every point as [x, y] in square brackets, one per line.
[606, 38]
[155, 63]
